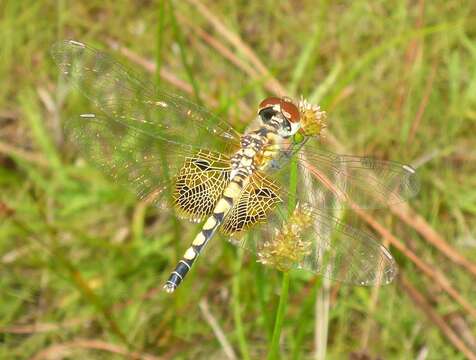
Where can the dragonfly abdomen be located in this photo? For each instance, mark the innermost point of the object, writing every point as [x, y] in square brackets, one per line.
[230, 196]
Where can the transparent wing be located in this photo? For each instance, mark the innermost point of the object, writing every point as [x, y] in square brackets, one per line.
[314, 241]
[311, 239]
[347, 181]
[135, 103]
[141, 161]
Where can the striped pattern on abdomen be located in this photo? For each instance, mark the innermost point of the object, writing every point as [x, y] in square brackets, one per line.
[230, 196]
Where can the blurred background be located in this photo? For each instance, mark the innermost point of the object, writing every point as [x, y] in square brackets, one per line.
[82, 260]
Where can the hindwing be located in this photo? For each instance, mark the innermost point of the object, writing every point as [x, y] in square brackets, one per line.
[259, 197]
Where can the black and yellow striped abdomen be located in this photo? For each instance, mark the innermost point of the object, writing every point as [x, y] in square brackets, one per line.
[231, 194]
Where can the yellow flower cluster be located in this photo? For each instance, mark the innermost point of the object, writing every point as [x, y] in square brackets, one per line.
[288, 247]
[312, 118]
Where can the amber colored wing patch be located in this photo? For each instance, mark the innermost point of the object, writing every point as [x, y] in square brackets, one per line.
[258, 198]
[199, 184]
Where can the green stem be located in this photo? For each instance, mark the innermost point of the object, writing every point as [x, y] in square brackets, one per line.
[293, 177]
[283, 300]
[237, 309]
[260, 289]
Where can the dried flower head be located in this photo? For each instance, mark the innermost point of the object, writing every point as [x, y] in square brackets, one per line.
[288, 247]
[312, 118]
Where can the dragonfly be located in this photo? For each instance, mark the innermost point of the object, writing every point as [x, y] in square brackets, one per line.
[271, 189]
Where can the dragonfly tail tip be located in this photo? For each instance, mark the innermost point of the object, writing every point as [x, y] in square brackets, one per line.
[169, 287]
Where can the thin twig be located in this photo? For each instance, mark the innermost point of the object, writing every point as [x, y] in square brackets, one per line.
[240, 45]
[65, 348]
[409, 216]
[321, 323]
[28, 156]
[41, 327]
[219, 47]
[417, 222]
[217, 330]
[411, 54]
[52, 107]
[423, 104]
[420, 300]
[426, 268]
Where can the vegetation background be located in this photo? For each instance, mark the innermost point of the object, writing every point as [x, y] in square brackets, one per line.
[82, 261]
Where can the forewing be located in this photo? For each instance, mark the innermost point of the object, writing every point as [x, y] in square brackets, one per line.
[345, 181]
[135, 103]
[133, 157]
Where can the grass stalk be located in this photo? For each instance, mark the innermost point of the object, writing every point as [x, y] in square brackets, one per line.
[237, 309]
[278, 324]
[261, 284]
[283, 300]
[183, 55]
[160, 41]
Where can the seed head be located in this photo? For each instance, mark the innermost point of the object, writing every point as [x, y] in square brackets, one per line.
[312, 118]
[288, 248]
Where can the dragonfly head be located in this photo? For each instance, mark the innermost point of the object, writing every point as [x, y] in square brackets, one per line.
[282, 114]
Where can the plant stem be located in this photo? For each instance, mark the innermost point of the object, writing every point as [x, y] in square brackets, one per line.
[160, 41]
[237, 309]
[283, 300]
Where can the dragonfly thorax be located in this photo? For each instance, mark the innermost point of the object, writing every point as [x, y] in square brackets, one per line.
[258, 148]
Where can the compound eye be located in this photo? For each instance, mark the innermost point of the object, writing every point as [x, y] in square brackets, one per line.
[267, 113]
[269, 103]
[290, 111]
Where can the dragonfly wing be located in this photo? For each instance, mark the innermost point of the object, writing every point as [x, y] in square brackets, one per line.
[123, 96]
[143, 163]
[308, 238]
[313, 241]
[347, 181]
[258, 198]
[199, 184]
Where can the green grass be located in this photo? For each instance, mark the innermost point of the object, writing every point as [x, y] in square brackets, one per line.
[82, 261]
